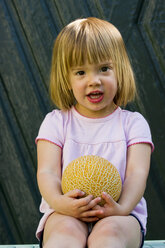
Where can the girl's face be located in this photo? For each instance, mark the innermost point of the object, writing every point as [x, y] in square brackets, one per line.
[94, 87]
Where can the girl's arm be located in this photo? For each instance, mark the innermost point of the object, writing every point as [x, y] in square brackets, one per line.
[49, 182]
[49, 170]
[138, 164]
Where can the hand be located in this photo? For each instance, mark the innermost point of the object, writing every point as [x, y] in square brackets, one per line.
[110, 207]
[74, 204]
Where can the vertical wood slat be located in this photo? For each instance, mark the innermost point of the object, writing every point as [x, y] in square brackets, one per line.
[28, 30]
[18, 189]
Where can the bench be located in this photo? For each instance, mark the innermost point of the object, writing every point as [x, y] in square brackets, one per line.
[147, 244]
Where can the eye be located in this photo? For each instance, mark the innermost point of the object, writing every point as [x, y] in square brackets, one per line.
[104, 68]
[80, 73]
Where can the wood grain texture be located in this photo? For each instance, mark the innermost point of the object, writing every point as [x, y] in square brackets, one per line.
[28, 30]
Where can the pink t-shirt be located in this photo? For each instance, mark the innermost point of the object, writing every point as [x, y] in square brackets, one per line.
[108, 137]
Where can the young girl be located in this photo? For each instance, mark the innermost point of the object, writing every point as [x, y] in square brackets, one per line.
[91, 77]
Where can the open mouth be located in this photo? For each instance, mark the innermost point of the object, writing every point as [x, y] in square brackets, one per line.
[95, 97]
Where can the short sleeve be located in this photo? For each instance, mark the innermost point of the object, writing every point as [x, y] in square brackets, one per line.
[138, 130]
[51, 129]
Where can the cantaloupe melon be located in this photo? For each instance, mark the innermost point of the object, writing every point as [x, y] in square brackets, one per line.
[93, 175]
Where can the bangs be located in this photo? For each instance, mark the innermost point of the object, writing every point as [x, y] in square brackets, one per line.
[88, 45]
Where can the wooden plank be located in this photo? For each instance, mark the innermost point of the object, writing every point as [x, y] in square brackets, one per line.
[18, 190]
[23, 104]
[39, 34]
[149, 83]
[19, 246]
[147, 244]
[154, 244]
[22, 78]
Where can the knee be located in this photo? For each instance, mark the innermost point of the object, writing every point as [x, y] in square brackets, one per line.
[104, 232]
[69, 227]
[64, 230]
[73, 228]
[111, 228]
[67, 233]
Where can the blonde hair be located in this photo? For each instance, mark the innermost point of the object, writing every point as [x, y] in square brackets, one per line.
[97, 41]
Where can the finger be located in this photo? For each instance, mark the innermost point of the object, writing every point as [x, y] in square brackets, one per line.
[85, 201]
[91, 204]
[107, 198]
[91, 219]
[96, 201]
[97, 207]
[91, 213]
[75, 193]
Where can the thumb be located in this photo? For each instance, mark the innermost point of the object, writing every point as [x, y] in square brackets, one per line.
[75, 193]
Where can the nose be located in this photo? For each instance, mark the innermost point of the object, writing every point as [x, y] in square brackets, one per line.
[93, 80]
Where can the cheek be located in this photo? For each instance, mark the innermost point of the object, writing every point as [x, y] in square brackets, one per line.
[77, 87]
[113, 85]
[116, 86]
[76, 92]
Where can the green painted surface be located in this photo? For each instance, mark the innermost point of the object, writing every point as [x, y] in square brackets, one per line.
[154, 244]
[147, 244]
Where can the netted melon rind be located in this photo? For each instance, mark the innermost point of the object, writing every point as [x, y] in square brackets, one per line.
[93, 175]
